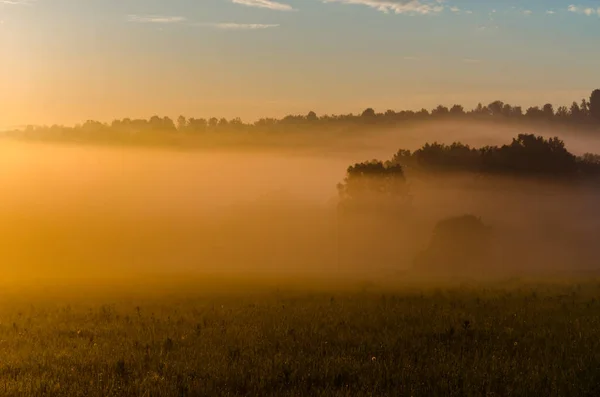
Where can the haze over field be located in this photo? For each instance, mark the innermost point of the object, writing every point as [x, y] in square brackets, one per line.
[84, 211]
[262, 195]
[299, 198]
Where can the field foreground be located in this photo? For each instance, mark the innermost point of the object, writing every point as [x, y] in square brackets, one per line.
[512, 339]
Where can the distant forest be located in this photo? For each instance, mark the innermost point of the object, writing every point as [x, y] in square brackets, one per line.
[375, 182]
[526, 155]
[584, 114]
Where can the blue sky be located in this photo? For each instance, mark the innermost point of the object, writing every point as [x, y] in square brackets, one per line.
[69, 60]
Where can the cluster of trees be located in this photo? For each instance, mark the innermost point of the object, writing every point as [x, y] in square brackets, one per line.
[527, 154]
[373, 184]
[459, 245]
[585, 112]
[373, 178]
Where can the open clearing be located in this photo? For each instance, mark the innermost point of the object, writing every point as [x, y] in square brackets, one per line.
[517, 338]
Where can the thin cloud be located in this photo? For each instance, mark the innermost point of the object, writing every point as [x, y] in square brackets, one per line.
[584, 10]
[236, 26]
[471, 60]
[398, 6]
[244, 26]
[518, 10]
[155, 19]
[269, 4]
[459, 11]
[489, 27]
[18, 2]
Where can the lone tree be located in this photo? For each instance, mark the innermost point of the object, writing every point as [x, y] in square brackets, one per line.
[373, 203]
[368, 113]
[374, 182]
[595, 105]
[373, 192]
[459, 245]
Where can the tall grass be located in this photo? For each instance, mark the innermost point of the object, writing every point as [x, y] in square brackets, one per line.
[519, 340]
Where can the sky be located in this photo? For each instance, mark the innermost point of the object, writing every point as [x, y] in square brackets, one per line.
[67, 61]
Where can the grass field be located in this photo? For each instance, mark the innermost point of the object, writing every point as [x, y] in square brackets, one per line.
[518, 339]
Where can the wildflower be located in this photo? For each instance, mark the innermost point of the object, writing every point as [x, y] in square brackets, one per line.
[373, 358]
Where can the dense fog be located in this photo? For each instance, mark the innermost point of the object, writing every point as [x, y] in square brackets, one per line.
[69, 211]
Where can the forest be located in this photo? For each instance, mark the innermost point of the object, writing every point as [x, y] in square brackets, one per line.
[389, 192]
[583, 114]
[527, 156]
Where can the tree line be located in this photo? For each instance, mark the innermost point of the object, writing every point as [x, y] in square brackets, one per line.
[526, 155]
[460, 245]
[583, 113]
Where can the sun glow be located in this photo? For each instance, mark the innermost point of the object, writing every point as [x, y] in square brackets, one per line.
[15, 73]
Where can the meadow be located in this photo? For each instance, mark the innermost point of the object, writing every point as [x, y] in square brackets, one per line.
[515, 338]
[235, 273]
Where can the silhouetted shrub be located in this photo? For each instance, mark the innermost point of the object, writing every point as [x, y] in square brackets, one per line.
[374, 199]
[373, 184]
[459, 244]
[589, 164]
[594, 105]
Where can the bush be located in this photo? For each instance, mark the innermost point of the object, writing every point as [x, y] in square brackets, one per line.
[373, 178]
[373, 186]
[459, 245]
